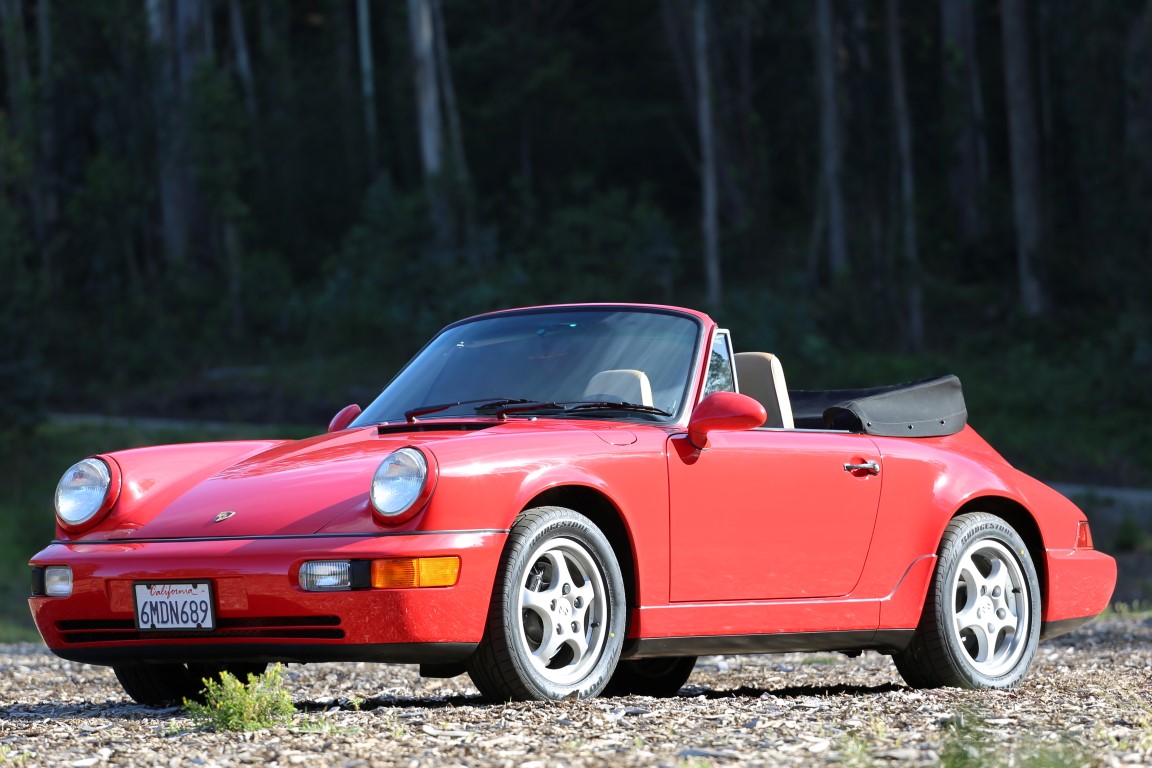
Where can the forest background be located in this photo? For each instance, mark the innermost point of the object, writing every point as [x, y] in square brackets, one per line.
[256, 210]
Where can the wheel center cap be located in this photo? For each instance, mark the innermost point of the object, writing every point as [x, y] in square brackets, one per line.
[985, 607]
[563, 608]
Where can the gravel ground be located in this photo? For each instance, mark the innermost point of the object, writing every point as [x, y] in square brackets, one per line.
[1087, 701]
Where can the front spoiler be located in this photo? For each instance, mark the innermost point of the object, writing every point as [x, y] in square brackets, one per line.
[389, 653]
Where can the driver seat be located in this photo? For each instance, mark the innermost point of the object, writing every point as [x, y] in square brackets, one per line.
[628, 384]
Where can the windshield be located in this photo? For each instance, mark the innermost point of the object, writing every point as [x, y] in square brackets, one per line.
[548, 361]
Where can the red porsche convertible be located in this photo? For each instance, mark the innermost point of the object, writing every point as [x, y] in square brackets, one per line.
[569, 500]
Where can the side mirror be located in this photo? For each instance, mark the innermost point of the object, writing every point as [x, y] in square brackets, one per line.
[344, 418]
[724, 411]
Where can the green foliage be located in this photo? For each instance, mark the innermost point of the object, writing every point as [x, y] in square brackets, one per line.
[1131, 536]
[966, 744]
[232, 705]
[579, 129]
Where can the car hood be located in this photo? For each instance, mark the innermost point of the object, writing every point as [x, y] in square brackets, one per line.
[286, 488]
[276, 489]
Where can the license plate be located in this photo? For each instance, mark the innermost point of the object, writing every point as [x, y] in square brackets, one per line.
[174, 606]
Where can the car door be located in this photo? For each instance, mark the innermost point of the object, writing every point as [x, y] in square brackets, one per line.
[771, 514]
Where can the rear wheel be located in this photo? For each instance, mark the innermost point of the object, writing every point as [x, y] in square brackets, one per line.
[556, 623]
[157, 685]
[651, 677]
[981, 620]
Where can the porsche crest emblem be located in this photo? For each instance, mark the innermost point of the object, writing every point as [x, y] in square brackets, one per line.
[223, 516]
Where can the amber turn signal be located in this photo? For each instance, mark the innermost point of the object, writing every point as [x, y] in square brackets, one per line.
[412, 572]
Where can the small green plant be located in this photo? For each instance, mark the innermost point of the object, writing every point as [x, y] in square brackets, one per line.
[968, 743]
[230, 705]
[1137, 609]
[9, 756]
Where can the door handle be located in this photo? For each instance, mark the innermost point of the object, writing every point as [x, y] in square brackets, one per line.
[867, 467]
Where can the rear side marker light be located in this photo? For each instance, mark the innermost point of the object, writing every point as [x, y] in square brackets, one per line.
[413, 572]
[1083, 536]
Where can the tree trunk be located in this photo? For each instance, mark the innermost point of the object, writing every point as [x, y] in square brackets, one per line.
[907, 178]
[830, 158]
[680, 29]
[22, 107]
[964, 110]
[1138, 154]
[16, 65]
[1138, 114]
[180, 33]
[713, 287]
[461, 172]
[243, 59]
[47, 161]
[368, 87]
[421, 30]
[171, 185]
[1025, 153]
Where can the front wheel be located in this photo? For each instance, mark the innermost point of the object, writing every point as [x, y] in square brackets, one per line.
[981, 620]
[156, 685]
[556, 623]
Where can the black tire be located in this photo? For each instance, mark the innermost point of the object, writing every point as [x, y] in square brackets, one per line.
[660, 677]
[556, 623]
[158, 685]
[981, 621]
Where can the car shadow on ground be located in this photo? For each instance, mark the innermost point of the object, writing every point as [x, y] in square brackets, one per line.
[128, 710]
[689, 691]
[792, 691]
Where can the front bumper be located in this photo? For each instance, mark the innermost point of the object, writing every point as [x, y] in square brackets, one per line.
[262, 613]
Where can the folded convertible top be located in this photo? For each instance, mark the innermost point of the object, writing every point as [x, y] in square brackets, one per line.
[930, 407]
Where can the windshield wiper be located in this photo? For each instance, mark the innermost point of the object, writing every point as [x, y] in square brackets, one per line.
[488, 404]
[529, 406]
[503, 407]
[608, 405]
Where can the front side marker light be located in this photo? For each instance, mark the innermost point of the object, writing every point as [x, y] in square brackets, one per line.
[415, 572]
[326, 576]
[58, 581]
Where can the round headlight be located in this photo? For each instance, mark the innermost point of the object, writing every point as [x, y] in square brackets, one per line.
[399, 482]
[82, 491]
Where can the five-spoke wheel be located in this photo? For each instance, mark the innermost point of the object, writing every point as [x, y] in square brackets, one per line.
[981, 620]
[556, 623]
[992, 609]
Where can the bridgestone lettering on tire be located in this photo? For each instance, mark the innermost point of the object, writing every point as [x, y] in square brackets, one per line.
[556, 623]
[981, 620]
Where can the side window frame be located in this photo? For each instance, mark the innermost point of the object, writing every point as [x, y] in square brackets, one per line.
[722, 346]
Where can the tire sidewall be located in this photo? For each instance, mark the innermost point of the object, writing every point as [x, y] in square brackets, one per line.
[560, 523]
[973, 529]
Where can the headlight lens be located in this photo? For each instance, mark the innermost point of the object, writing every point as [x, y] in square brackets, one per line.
[82, 491]
[399, 482]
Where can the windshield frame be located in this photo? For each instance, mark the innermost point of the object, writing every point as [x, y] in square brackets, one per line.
[370, 416]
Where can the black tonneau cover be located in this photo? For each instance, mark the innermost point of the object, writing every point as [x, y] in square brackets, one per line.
[924, 408]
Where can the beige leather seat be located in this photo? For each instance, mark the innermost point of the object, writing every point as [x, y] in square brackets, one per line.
[630, 385]
[762, 377]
